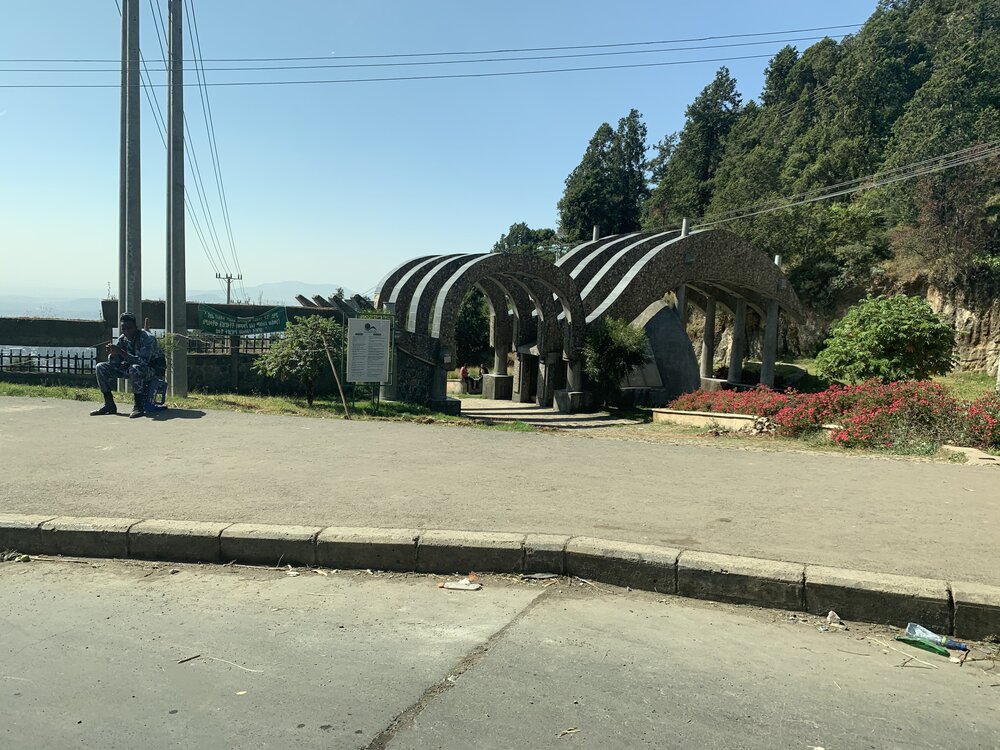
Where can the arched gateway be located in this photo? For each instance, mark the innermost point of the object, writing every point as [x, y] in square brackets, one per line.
[539, 311]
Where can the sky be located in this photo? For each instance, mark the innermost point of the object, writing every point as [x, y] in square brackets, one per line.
[340, 182]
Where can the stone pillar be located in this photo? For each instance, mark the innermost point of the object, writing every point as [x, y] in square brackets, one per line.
[522, 379]
[574, 374]
[500, 359]
[708, 341]
[770, 349]
[739, 342]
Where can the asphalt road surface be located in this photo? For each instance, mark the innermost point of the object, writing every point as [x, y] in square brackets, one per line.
[886, 516]
[123, 655]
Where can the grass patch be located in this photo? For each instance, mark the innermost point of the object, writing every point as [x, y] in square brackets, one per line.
[253, 404]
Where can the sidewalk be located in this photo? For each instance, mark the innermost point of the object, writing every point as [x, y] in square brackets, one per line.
[886, 516]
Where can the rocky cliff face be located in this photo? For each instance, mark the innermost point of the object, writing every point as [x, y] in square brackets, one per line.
[975, 314]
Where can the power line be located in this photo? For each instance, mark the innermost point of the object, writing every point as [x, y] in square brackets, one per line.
[213, 142]
[189, 149]
[452, 76]
[921, 168]
[161, 128]
[422, 63]
[470, 52]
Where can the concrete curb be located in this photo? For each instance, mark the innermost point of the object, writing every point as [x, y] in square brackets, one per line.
[966, 610]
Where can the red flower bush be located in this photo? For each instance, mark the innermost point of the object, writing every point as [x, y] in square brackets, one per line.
[910, 417]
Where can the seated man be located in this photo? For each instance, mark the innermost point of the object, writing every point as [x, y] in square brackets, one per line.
[129, 357]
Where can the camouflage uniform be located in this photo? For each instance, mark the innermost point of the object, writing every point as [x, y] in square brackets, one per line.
[135, 365]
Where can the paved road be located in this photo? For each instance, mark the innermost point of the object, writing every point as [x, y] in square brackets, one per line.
[888, 516]
[90, 657]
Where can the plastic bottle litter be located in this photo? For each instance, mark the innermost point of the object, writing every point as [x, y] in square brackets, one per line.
[924, 644]
[919, 631]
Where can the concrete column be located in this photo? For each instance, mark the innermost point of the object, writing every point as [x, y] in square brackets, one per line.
[685, 227]
[574, 374]
[739, 342]
[708, 341]
[770, 352]
[597, 233]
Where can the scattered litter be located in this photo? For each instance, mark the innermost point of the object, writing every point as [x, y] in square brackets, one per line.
[233, 664]
[909, 658]
[174, 571]
[189, 658]
[241, 692]
[12, 556]
[452, 678]
[292, 573]
[466, 584]
[919, 631]
[823, 628]
[923, 644]
[834, 621]
[571, 730]
[321, 572]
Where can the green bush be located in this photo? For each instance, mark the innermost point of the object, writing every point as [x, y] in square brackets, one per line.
[613, 349]
[302, 353]
[888, 339]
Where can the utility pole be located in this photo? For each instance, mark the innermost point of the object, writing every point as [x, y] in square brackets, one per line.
[130, 227]
[176, 306]
[229, 284]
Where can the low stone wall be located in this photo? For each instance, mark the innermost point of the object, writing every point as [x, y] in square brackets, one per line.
[704, 419]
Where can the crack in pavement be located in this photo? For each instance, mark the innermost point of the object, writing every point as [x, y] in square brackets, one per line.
[407, 717]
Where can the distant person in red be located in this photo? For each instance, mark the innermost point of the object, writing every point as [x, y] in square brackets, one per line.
[464, 375]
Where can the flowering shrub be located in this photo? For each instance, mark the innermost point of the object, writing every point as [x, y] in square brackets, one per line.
[910, 417]
[984, 421]
[760, 402]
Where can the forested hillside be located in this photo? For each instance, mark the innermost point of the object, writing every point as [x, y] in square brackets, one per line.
[870, 163]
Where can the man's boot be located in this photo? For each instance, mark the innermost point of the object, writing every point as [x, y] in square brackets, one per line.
[108, 408]
[139, 409]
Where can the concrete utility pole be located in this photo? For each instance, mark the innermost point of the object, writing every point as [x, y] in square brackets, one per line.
[229, 284]
[131, 295]
[176, 307]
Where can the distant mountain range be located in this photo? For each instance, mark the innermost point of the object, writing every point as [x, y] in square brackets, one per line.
[89, 308]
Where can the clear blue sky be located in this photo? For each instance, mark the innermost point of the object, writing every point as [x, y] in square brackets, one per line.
[338, 183]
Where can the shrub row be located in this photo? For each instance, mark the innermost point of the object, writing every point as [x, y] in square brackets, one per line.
[910, 417]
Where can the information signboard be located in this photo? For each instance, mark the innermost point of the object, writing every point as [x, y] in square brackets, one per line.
[368, 343]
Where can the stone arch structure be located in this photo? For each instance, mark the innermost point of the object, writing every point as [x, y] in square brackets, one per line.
[536, 313]
[539, 311]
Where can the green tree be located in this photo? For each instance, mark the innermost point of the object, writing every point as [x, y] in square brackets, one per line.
[521, 239]
[608, 188]
[303, 352]
[888, 339]
[472, 329]
[685, 189]
[612, 350]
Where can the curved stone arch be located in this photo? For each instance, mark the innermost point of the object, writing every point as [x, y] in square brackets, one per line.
[402, 291]
[385, 287]
[524, 269]
[525, 309]
[547, 310]
[591, 262]
[715, 256]
[419, 308]
[501, 326]
[580, 253]
[614, 266]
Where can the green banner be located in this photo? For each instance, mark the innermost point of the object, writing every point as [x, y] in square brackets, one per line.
[211, 320]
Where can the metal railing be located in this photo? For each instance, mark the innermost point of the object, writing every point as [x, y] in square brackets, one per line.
[46, 362]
